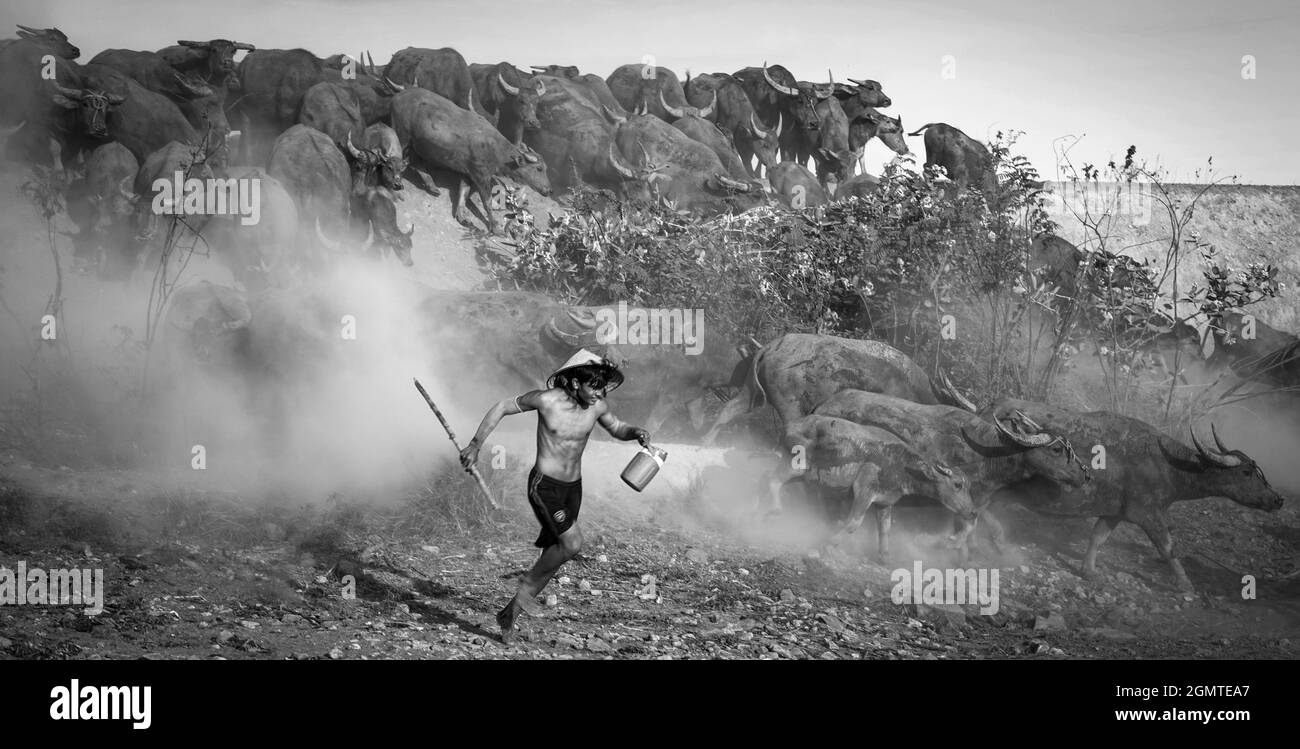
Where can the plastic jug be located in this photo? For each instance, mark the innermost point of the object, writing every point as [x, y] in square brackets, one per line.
[645, 464]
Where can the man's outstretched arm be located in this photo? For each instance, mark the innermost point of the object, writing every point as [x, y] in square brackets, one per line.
[515, 405]
[621, 430]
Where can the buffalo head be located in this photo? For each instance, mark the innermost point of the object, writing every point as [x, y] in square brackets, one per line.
[560, 71]
[526, 95]
[92, 106]
[1049, 454]
[888, 129]
[52, 39]
[685, 111]
[526, 166]
[801, 99]
[868, 93]
[220, 55]
[1235, 475]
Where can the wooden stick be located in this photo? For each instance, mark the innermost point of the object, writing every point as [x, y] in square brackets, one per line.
[472, 469]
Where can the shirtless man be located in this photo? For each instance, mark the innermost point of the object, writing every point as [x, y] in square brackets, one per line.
[570, 407]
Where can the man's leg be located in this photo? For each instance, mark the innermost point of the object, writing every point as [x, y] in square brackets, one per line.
[532, 582]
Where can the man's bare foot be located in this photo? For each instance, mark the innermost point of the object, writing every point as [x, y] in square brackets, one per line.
[506, 620]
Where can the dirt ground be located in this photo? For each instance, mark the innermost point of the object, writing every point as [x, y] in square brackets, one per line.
[193, 573]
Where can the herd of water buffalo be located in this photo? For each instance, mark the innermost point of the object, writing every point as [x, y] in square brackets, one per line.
[331, 140]
[333, 137]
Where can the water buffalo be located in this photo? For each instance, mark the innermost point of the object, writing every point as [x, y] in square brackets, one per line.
[877, 466]
[575, 138]
[144, 121]
[151, 71]
[442, 71]
[796, 187]
[310, 166]
[872, 124]
[333, 109]
[511, 95]
[799, 370]
[1256, 351]
[655, 88]
[61, 116]
[273, 83]
[102, 203]
[213, 60]
[1145, 472]
[1010, 449]
[775, 93]
[440, 135]
[735, 115]
[967, 161]
[681, 170]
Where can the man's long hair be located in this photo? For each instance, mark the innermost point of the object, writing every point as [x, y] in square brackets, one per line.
[570, 381]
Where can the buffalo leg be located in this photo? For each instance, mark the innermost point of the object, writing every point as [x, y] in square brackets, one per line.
[1158, 531]
[997, 534]
[458, 202]
[1101, 531]
[484, 189]
[865, 496]
[884, 521]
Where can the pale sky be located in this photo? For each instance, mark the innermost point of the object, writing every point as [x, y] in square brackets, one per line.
[1165, 75]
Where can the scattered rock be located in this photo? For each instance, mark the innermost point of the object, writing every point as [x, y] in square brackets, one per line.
[1053, 622]
[225, 635]
[602, 558]
[273, 531]
[248, 624]
[944, 617]
[787, 595]
[597, 645]
[5, 643]
[832, 623]
[584, 585]
[743, 571]
[552, 600]
[698, 556]
[430, 549]
[336, 653]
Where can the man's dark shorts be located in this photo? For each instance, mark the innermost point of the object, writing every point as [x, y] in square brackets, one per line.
[555, 503]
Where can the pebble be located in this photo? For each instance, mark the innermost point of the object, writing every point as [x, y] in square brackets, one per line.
[430, 549]
[552, 600]
[602, 558]
[336, 653]
[584, 585]
[698, 556]
[787, 596]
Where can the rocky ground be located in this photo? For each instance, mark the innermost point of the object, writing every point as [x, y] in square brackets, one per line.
[199, 574]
